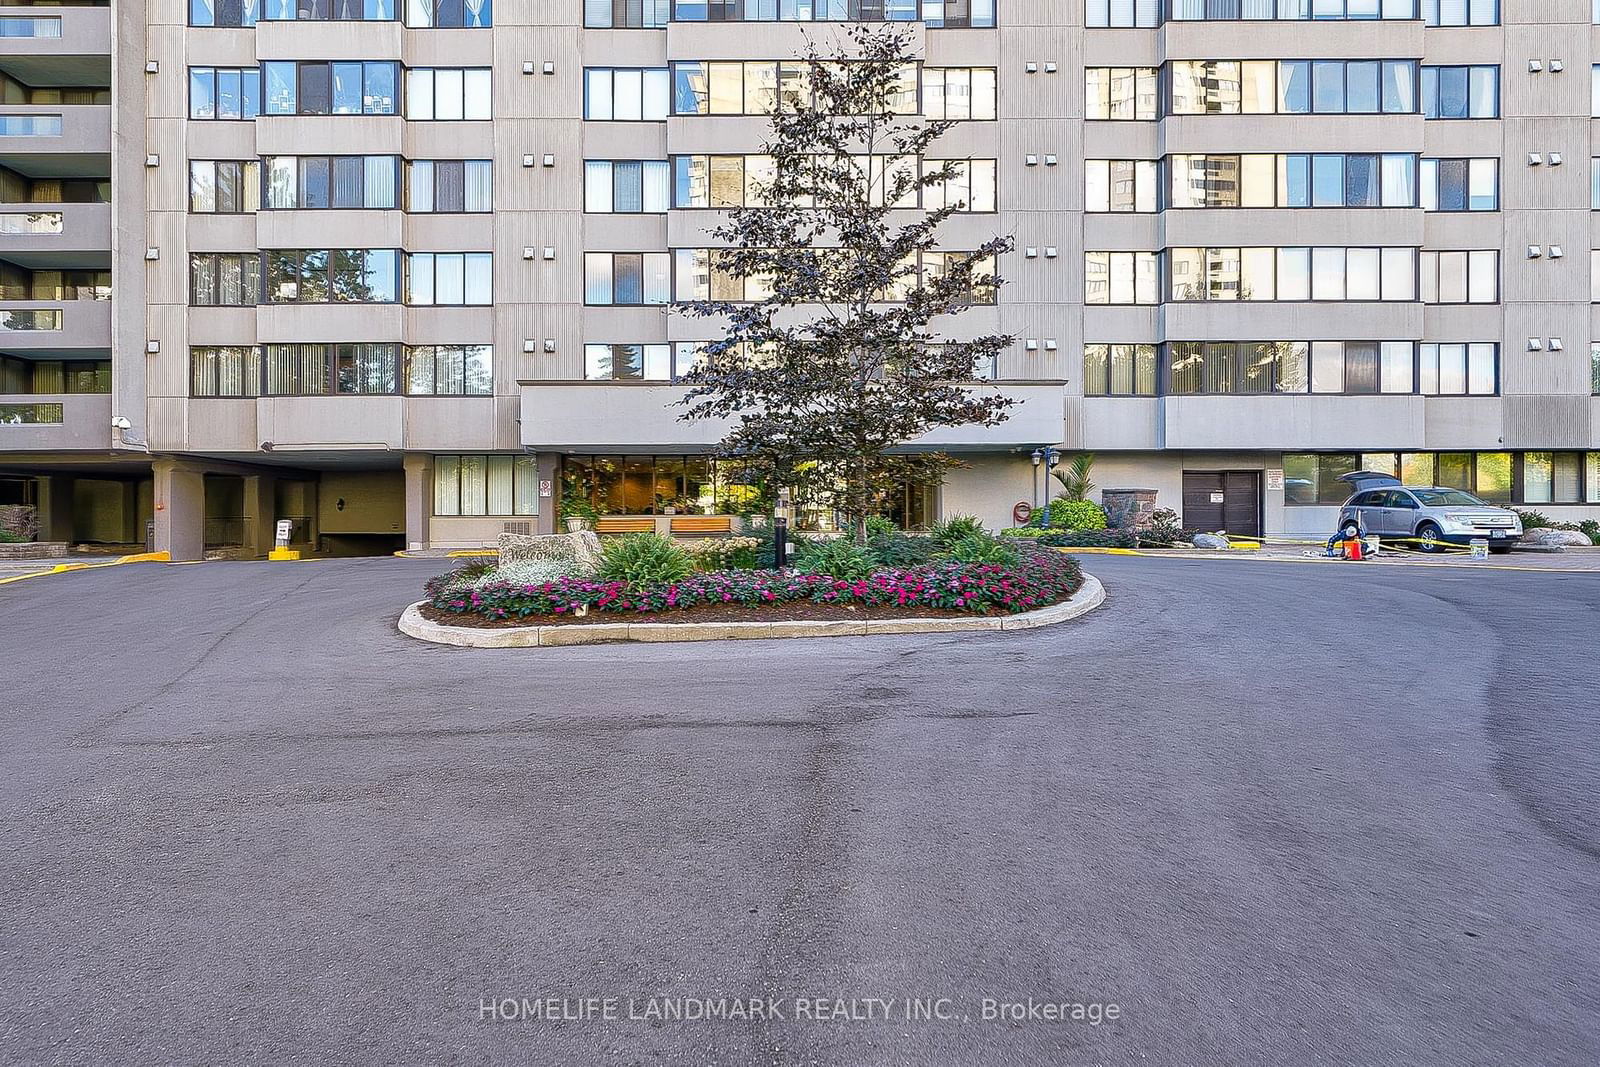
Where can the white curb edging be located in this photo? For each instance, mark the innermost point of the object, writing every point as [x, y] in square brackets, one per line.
[1088, 597]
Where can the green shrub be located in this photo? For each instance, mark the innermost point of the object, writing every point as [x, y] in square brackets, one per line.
[839, 558]
[981, 548]
[1077, 515]
[1123, 538]
[1027, 531]
[9, 538]
[1534, 520]
[900, 550]
[1164, 528]
[723, 553]
[878, 526]
[643, 558]
[955, 528]
[1592, 528]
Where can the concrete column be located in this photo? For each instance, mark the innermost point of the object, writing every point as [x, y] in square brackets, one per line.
[260, 501]
[549, 521]
[419, 498]
[132, 528]
[55, 508]
[180, 509]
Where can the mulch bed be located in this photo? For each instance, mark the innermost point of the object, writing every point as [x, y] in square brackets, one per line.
[788, 611]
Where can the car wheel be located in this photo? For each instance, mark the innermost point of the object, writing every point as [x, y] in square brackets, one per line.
[1429, 535]
[1349, 531]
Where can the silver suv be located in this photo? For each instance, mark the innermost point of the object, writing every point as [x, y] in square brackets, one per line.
[1435, 516]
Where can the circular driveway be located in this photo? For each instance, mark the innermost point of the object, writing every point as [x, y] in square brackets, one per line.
[1274, 812]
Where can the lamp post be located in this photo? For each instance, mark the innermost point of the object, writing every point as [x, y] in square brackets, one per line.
[780, 530]
[1038, 458]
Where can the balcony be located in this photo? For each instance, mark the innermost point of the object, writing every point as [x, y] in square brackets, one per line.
[66, 329]
[56, 140]
[57, 45]
[60, 422]
[642, 417]
[56, 236]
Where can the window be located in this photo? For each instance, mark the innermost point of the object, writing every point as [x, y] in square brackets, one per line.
[30, 125]
[1461, 12]
[449, 14]
[446, 94]
[627, 278]
[1120, 93]
[324, 10]
[30, 222]
[30, 319]
[626, 14]
[1552, 477]
[936, 14]
[1461, 184]
[1122, 13]
[699, 274]
[627, 362]
[1120, 185]
[741, 181]
[627, 94]
[1120, 278]
[224, 187]
[314, 276]
[486, 485]
[449, 185]
[224, 92]
[224, 279]
[337, 88]
[229, 370]
[19, 26]
[1257, 367]
[1119, 370]
[958, 93]
[450, 278]
[449, 370]
[331, 182]
[1257, 10]
[1354, 274]
[54, 376]
[1322, 180]
[1461, 277]
[236, 13]
[1461, 92]
[1498, 477]
[627, 186]
[1356, 87]
[1459, 369]
[1594, 368]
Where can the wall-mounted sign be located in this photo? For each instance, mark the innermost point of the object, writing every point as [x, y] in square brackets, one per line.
[548, 488]
[1216, 498]
[1274, 477]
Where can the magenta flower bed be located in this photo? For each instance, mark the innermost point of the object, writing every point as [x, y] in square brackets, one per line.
[1038, 579]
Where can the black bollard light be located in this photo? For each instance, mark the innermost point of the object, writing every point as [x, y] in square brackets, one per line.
[780, 542]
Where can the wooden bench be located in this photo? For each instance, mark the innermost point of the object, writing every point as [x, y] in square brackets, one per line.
[612, 524]
[702, 524]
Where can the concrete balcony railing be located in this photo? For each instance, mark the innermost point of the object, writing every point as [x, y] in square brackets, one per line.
[56, 32]
[65, 329]
[55, 422]
[54, 229]
[643, 417]
[56, 130]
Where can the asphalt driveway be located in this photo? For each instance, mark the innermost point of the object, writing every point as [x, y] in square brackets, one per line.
[1275, 813]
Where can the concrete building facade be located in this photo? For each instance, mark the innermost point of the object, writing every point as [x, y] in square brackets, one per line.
[400, 272]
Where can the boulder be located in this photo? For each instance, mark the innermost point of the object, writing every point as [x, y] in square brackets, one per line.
[581, 550]
[1210, 540]
[1545, 536]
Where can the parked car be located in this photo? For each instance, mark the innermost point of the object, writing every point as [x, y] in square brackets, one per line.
[1435, 515]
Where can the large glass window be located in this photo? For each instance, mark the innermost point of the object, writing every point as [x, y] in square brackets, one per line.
[626, 14]
[628, 362]
[627, 186]
[1121, 278]
[1322, 180]
[1212, 367]
[363, 275]
[448, 94]
[1121, 185]
[1120, 93]
[1464, 277]
[1354, 274]
[1461, 92]
[448, 14]
[1459, 369]
[1460, 184]
[295, 182]
[224, 92]
[449, 185]
[1461, 12]
[450, 278]
[1119, 370]
[231, 279]
[224, 187]
[486, 485]
[626, 94]
[449, 370]
[627, 278]
[234, 13]
[936, 14]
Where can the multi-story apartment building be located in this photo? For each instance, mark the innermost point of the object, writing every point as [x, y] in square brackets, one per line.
[401, 272]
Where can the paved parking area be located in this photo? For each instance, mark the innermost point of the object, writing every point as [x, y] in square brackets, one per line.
[1276, 814]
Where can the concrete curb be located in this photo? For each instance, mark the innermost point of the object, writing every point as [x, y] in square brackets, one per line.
[64, 568]
[1090, 596]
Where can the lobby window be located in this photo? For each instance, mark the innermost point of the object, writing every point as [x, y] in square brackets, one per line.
[1121, 185]
[627, 278]
[224, 279]
[224, 92]
[1120, 93]
[1122, 14]
[1461, 92]
[626, 14]
[631, 186]
[1332, 179]
[1322, 273]
[627, 362]
[1460, 184]
[447, 94]
[486, 485]
[1120, 278]
[234, 13]
[325, 10]
[225, 371]
[1467, 277]
[449, 370]
[1461, 12]
[626, 94]
[355, 87]
[316, 276]
[447, 14]
[449, 186]
[308, 182]
[224, 187]
[1552, 478]
[1459, 369]
[450, 278]
[1119, 370]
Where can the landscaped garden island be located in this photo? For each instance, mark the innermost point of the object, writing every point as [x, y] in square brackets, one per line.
[956, 570]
